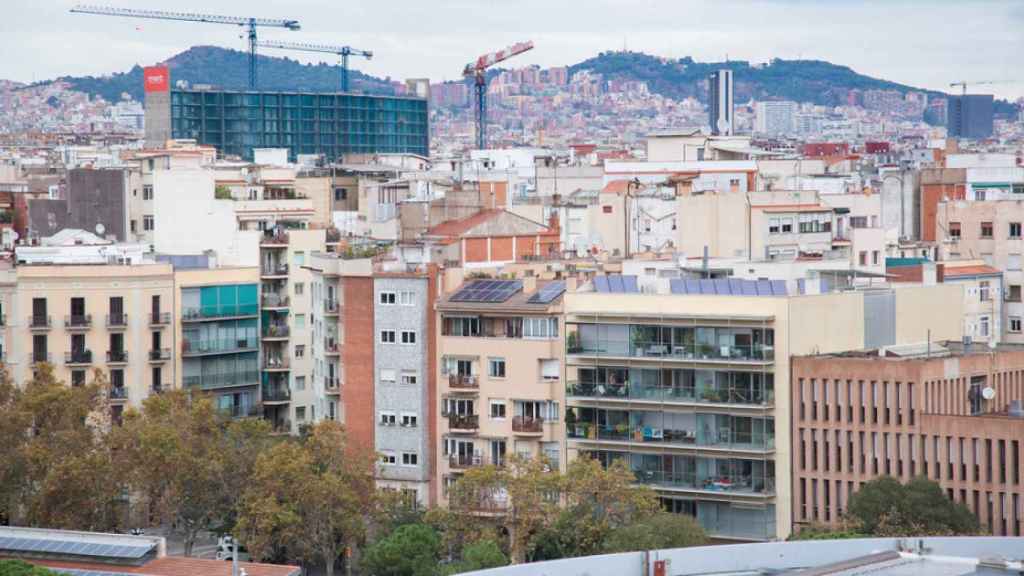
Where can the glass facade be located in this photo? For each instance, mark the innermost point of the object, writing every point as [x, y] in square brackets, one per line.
[329, 124]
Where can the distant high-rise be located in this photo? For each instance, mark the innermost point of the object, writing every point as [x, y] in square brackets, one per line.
[776, 118]
[969, 116]
[720, 102]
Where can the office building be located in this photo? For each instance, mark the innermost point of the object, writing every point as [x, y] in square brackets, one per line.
[776, 118]
[969, 116]
[946, 411]
[720, 104]
[331, 124]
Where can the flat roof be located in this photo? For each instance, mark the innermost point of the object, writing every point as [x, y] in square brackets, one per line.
[195, 90]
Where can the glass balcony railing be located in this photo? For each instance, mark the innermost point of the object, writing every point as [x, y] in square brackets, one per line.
[222, 380]
[275, 393]
[195, 347]
[698, 393]
[730, 484]
[671, 351]
[748, 434]
[222, 311]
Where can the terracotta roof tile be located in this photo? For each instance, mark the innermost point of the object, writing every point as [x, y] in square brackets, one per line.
[976, 270]
[179, 566]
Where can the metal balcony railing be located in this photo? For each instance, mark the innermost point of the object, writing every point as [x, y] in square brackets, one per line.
[78, 321]
[117, 320]
[527, 425]
[39, 321]
[78, 357]
[117, 356]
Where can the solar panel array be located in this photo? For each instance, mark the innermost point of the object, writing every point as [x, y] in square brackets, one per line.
[729, 286]
[75, 548]
[487, 291]
[616, 284]
[548, 292]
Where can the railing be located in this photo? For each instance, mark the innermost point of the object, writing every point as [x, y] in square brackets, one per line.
[331, 384]
[722, 438]
[330, 306]
[693, 352]
[282, 427]
[734, 483]
[118, 320]
[275, 301]
[330, 346]
[280, 238]
[463, 421]
[241, 410]
[696, 393]
[222, 380]
[39, 321]
[213, 313]
[78, 321]
[158, 354]
[279, 270]
[462, 461]
[276, 363]
[117, 356]
[160, 389]
[276, 394]
[159, 318]
[528, 425]
[194, 347]
[36, 358]
[118, 393]
[276, 331]
[463, 382]
[78, 357]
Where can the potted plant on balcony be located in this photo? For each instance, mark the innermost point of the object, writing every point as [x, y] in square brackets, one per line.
[572, 343]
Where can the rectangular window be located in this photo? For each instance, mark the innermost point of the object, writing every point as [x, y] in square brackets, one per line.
[1014, 229]
[300, 321]
[409, 420]
[874, 257]
[1015, 324]
[408, 336]
[387, 336]
[983, 290]
[496, 368]
[863, 258]
[986, 229]
[773, 225]
[497, 410]
[340, 194]
[300, 350]
[299, 258]
[387, 419]
[954, 230]
[147, 223]
[410, 459]
[147, 192]
[540, 327]
[387, 458]
[300, 413]
[300, 382]
[387, 298]
[1013, 295]
[299, 288]
[787, 225]
[983, 326]
[407, 298]
[409, 378]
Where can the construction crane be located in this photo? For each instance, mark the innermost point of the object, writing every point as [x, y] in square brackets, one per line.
[478, 70]
[250, 23]
[343, 51]
[964, 85]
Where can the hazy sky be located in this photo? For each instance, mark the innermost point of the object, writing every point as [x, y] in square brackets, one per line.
[917, 42]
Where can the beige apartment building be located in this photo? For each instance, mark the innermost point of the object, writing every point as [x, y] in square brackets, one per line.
[499, 370]
[81, 318]
[692, 389]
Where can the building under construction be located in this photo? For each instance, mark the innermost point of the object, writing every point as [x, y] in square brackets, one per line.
[333, 124]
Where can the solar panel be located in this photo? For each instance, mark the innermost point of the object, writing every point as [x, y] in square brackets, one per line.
[601, 284]
[764, 288]
[615, 284]
[487, 291]
[629, 284]
[548, 293]
[779, 287]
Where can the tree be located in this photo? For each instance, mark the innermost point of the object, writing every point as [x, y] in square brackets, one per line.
[479, 555]
[312, 498]
[174, 452]
[662, 530]
[884, 507]
[13, 426]
[20, 568]
[411, 550]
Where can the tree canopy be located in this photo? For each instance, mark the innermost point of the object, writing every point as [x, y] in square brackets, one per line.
[885, 507]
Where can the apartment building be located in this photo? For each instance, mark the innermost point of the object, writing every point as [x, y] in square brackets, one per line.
[946, 411]
[217, 320]
[687, 381]
[87, 317]
[373, 363]
[499, 375]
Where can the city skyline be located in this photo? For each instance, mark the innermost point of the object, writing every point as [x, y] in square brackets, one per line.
[928, 55]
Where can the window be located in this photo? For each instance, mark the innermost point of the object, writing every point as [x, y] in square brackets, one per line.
[954, 230]
[387, 458]
[734, 182]
[387, 418]
[1014, 294]
[387, 336]
[78, 378]
[540, 327]
[858, 221]
[787, 225]
[299, 258]
[409, 420]
[983, 290]
[1013, 262]
[147, 223]
[387, 298]
[1014, 229]
[410, 459]
[300, 321]
[134, 226]
[983, 326]
[300, 413]
[773, 225]
[299, 288]
[874, 257]
[300, 350]
[300, 382]
[986, 229]
[863, 258]
[407, 298]
[408, 336]
[147, 192]
[340, 194]
[409, 378]
[461, 326]
[497, 410]
[387, 376]
[607, 209]
[1015, 324]
[496, 368]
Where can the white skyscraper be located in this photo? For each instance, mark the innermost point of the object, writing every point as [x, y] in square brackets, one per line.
[776, 118]
[720, 102]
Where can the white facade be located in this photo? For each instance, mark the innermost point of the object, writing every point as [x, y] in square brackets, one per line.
[776, 118]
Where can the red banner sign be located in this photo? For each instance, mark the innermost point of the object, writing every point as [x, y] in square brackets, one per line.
[156, 78]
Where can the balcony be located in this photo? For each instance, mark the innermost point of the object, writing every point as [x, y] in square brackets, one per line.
[218, 380]
[752, 394]
[274, 271]
[160, 319]
[466, 422]
[332, 385]
[331, 347]
[527, 425]
[706, 431]
[279, 240]
[241, 411]
[39, 322]
[725, 483]
[271, 394]
[78, 357]
[276, 332]
[464, 461]
[160, 355]
[463, 382]
[274, 301]
[654, 350]
[331, 307]
[117, 357]
[38, 357]
[281, 427]
[209, 313]
[118, 394]
[161, 388]
[204, 347]
[117, 321]
[276, 363]
[78, 322]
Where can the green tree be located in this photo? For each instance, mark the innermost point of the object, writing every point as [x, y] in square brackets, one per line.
[885, 507]
[661, 530]
[13, 426]
[411, 550]
[312, 498]
[20, 568]
[479, 555]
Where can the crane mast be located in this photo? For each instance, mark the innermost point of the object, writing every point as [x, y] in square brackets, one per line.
[343, 51]
[247, 22]
[478, 70]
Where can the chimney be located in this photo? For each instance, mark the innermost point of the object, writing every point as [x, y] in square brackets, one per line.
[571, 283]
[529, 284]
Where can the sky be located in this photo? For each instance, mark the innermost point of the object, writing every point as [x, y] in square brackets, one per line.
[922, 43]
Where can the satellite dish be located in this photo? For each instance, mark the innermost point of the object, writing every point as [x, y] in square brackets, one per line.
[988, 393]
[100, 229]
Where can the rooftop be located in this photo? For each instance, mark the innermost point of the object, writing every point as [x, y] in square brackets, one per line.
[925, 350]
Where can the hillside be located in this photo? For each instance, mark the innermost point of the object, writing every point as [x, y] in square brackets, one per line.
[230, 69]
[814, 81]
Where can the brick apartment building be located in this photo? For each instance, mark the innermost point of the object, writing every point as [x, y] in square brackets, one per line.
[946, 411]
